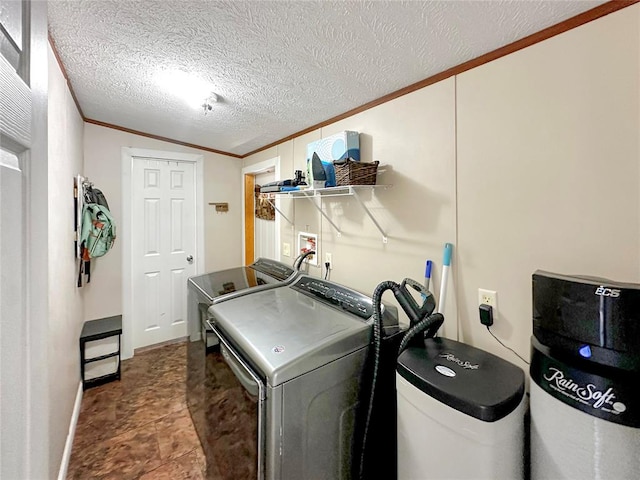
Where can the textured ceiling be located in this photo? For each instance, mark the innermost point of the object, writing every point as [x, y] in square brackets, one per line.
[278, 67]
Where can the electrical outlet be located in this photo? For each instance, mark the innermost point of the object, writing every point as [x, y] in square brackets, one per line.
[488, 297]
[328, 259]
[286, 249]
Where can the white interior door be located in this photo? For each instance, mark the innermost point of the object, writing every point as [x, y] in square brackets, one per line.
[163, 248]
[24, 411]
[13, 388]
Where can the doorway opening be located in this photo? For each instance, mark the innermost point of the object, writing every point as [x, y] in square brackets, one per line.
[261, 236]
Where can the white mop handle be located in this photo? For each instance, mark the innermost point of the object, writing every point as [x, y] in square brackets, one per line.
[446, 263]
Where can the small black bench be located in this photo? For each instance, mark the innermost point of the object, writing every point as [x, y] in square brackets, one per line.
[96, 330]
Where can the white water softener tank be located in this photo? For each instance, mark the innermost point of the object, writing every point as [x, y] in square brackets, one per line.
[585, 372]
[460, 413]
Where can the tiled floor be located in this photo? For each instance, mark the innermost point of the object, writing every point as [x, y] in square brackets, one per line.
[139, 427]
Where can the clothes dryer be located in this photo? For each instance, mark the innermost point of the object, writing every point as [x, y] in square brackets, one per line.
[286, 388]
[204, 291]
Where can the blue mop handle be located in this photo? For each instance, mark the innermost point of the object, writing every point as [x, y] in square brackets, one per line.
[427, 274]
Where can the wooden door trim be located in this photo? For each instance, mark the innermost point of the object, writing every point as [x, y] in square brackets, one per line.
[249, 228]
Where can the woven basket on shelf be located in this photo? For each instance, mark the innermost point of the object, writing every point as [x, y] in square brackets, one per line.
[350, 172]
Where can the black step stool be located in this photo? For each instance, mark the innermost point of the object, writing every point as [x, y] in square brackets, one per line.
[96, 330]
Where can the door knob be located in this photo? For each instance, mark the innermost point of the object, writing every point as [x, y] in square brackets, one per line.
[190, 259]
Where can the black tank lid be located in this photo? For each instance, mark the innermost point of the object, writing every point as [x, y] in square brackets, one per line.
[463, 377]
[588, 319]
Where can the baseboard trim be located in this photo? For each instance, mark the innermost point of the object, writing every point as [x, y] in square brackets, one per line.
[138, 350]
[66, 455]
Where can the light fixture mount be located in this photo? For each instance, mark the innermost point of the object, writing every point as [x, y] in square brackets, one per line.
[207, 105]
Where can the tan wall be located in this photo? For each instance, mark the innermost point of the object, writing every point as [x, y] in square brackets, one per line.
[527, 162]
[548, 170]
[65, 300]
[102, 165]
[413, 137]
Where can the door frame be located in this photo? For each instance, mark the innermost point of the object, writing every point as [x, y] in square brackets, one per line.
[254, 169]
[129, 155]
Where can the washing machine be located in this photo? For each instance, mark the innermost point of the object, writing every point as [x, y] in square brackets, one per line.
[585, 372]
[204, 291]
[286, 391]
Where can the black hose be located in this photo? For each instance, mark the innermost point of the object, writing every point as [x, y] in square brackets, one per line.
[431, 324]
[297, 263]
[377, 341]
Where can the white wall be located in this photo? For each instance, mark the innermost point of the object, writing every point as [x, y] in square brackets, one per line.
[65, 299]
[222, 183]
[545, 139]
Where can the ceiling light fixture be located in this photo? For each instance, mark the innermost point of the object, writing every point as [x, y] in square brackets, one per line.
[209, 101]
[185, 86]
